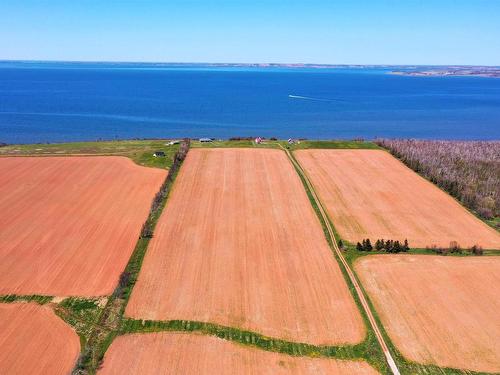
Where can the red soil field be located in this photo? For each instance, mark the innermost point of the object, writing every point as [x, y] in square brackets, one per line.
[68, 225]
[370, 194]
[180, 353]
[240, 245]
[439, 310]
[33, 340]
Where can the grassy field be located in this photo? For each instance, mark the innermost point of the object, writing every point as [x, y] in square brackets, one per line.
[140, 151]
[334, 144]
[297, 145]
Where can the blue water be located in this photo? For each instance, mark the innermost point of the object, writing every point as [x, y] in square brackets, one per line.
[54, 102]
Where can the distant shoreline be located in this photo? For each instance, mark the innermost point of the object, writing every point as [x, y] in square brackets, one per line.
[488, 72]
[401, 69]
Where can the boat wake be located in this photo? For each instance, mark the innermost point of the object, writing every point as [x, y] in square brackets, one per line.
[314, 99]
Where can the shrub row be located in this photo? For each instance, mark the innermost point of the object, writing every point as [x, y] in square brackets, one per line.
[129, 276]
[147, 227]
[455, 248]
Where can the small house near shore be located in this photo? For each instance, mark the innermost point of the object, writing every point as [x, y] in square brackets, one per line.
[204, 140]
[159, 154]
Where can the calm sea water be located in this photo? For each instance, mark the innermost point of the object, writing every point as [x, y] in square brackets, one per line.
[54, 102]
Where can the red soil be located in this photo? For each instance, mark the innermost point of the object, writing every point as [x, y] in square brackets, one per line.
[436, 309]
[240, 245]
[180, 353]
[370, 194]
[69, 224]
[33, 340]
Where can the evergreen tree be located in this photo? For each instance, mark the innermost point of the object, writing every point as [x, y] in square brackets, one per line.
[359, 247]
[379, 245]
[341, 244]
[388, 246]
[406, 246]
[368, 245]
[397, 247]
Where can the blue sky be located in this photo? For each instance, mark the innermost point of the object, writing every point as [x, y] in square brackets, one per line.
[307, 31]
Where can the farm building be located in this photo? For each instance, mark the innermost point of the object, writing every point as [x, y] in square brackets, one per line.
[158, 154]
[203, 140]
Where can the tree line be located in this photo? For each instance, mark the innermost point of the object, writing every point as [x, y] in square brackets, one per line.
[390, 246]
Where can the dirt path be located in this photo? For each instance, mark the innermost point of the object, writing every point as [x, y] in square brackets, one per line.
[359, 292]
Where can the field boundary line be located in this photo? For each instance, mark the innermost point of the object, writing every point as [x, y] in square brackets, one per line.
[354, 281]
[242, 337]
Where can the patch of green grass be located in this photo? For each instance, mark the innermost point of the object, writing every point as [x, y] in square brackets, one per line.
[494, 223]
[13, 298]
[334, 144]
[87, 309]
[146, 158]
[234, 144]
[82, 314]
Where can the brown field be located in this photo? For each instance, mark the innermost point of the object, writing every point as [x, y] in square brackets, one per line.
[440, 310]
[180, 353]
[33, 340]
[240, 245]
[69, 224]
[370, 194]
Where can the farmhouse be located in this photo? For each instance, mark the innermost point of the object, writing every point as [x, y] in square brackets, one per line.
[158, 154]
[203, 140]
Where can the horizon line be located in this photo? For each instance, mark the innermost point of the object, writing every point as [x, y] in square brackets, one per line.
[247, 64]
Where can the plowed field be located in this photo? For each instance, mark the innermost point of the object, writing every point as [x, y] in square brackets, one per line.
[69, 224]
[440, 310]
[370, 194]
[240, 245]
[33, 340]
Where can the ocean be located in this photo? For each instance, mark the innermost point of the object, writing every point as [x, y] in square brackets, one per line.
[59, 102]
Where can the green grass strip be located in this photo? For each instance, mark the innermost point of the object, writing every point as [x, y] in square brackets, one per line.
[13, 298]
[244, 337]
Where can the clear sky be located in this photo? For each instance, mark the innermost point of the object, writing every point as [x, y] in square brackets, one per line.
[307, 31]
